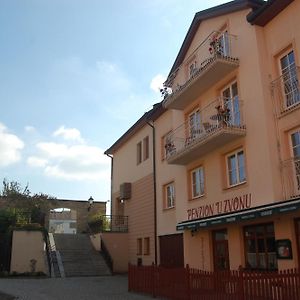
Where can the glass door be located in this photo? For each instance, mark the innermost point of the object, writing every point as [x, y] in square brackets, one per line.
[220, 247]
[295, 142]
[194, 124]
[231, 105]
[290, 79]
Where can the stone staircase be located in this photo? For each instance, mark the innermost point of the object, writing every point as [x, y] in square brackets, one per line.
[78, 257]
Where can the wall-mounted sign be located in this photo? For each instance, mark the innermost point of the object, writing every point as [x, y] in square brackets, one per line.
[220, 207]
[284, 249]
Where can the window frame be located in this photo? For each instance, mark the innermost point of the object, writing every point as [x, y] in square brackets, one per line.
[139, 153]
[202, 193]
[146, 144]
[146, 246]
[264, 237]
[166, 196]
[235, 154]
[139, 246]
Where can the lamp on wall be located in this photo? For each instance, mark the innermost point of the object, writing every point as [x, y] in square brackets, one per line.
[90, 201]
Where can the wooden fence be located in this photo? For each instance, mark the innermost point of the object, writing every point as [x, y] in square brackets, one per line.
[192, 284]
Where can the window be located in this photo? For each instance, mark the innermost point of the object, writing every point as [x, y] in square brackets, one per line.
[169, 191]
[146, 148]
[168, 147]
[147, 246]
[231, 105]
[139, 246]
[192, 69]
[194, 124]
[260, 249]
[290, 79]
[139, 152]
[295, 143]
[197, 179]
[236, 168]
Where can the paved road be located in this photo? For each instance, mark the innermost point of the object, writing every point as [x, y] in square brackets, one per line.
[76, 288]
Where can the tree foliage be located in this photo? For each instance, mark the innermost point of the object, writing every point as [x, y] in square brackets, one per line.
[24, 203]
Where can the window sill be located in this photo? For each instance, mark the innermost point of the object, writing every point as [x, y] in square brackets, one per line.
[197, 198]
[168, 208]
[236, 186]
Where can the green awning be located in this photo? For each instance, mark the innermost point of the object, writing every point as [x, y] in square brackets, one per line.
[245, 215]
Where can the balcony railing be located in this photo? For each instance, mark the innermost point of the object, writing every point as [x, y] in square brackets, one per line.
[213, 59]
[291, 178]
[286, 91]
[109, 223]
[218, 123]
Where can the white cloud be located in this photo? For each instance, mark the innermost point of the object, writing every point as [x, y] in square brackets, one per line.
[36, 162]
[69, 134]
[77, 162]
[157, 82]
[10, 147]
[30, 128]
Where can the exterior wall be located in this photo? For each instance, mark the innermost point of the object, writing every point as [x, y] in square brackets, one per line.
[140, 212]
[117, 245]
[27, 246]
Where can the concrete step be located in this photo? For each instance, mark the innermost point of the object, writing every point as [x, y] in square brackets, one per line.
[78, 256]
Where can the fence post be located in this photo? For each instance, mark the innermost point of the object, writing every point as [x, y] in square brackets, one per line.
[188, 282]
[241, 293]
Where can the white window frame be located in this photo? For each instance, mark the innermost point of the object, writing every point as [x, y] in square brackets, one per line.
[201, 182]
[237, 173]
[295, 94]
[195, 127]
[296, 175]
[169, 190]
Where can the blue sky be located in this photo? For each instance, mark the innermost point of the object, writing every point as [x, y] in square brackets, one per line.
[74, 76]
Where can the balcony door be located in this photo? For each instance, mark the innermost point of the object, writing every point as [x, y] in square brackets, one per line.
[220, 247]
[230, 100]
[290, 79]
[295, 145]
[194, 124]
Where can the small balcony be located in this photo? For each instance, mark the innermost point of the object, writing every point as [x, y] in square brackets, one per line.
[286, 91]
[218, 123]
[291, 178]
[213, 59]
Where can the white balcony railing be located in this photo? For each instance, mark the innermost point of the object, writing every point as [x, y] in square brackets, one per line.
[215, 57]
[286, 90]
[291, 177]
[217, 123]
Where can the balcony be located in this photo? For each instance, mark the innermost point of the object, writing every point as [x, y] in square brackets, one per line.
[214, 58]
[291, 178]
[286, 91]
[218, 123]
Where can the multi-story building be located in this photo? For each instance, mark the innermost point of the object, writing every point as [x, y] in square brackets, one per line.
[226, 172]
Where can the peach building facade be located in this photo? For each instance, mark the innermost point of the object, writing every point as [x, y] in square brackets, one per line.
[223, 188]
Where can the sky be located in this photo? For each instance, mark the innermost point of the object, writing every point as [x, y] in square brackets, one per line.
[74, 76]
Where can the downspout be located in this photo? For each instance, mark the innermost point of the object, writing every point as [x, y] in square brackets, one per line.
[111, 180]
[154, 190]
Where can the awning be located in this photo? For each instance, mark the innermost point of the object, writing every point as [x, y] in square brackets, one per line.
[245, 215]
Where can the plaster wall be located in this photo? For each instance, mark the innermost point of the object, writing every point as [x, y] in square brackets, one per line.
[28, 246]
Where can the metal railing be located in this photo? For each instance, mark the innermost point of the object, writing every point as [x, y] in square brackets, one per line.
[291, 177]
[286, 90]
[216, 45]
[221, 113]
[109, 223]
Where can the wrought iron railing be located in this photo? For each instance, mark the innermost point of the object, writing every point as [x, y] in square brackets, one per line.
[109, 223]
[221, 113]
[217, 45]
[291, 177]
[286, 90]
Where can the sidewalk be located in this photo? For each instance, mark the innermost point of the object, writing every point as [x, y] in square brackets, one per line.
[76, 288]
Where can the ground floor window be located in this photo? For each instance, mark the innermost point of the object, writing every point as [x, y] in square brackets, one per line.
[260, 249]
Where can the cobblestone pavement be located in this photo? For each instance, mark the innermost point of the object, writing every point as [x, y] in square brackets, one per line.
[76, 288]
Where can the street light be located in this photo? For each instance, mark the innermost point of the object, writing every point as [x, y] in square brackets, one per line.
[90, 201]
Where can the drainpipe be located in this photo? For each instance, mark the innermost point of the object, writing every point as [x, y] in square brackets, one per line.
[111, 180]
[154, 190]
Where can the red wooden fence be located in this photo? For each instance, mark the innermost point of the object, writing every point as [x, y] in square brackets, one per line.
[192, 284]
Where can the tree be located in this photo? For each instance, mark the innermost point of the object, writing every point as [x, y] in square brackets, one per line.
[25, 205]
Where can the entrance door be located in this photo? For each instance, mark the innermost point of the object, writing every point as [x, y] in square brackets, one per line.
[221, 254]
[297, 225]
